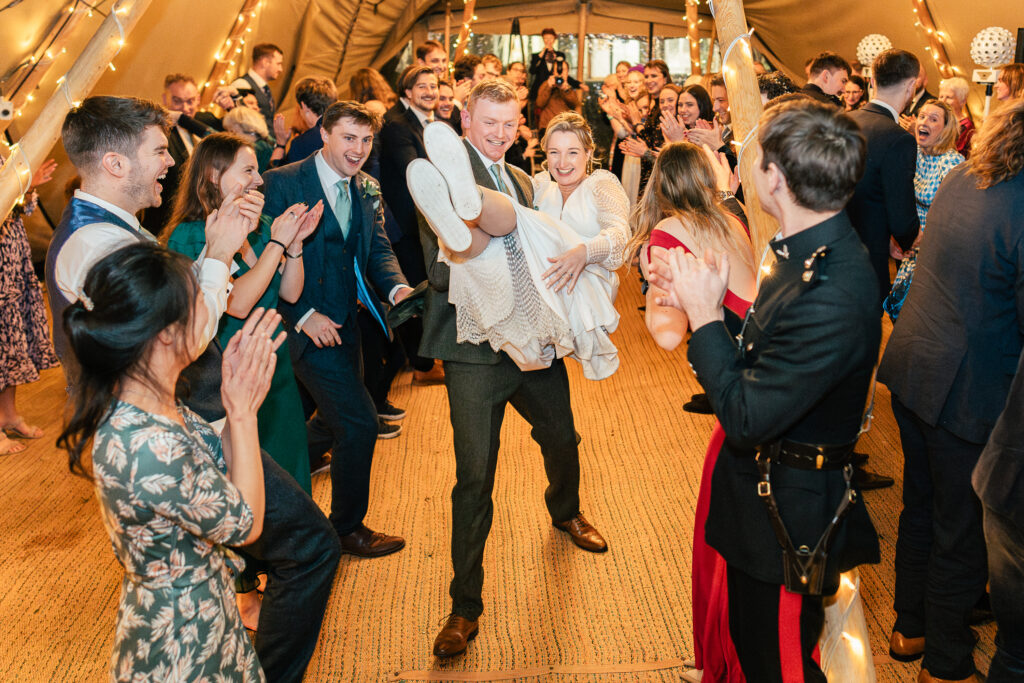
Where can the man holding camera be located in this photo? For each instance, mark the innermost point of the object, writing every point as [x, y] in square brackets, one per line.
[544, 63]
[556, 95]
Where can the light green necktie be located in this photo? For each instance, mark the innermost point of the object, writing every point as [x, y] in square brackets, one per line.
[498, 181]
[342, 206]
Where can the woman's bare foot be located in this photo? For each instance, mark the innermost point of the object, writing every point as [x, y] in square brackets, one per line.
[22, 429]
[8, 447]
[249, 607]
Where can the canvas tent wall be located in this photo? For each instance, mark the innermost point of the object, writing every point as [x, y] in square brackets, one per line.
[333, 38]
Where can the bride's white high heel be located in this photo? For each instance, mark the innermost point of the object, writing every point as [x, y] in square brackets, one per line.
[447, 152]
[430, 192]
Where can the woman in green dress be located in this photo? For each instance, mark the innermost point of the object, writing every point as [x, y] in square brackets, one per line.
[268, 266]
[171, 492]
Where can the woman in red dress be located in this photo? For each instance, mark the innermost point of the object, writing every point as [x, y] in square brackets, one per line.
[688, 204]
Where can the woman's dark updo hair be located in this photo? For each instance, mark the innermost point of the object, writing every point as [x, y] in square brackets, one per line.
[704, 106]
[128, 298]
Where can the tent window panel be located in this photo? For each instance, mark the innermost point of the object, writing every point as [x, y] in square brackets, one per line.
[510, 48]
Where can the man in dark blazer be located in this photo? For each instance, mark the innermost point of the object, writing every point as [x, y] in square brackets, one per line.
[789, 394]
[313, 95]
[267, 65]
[181, 98]
[949, 365]
[883, 205]
[348, 261]
[828, 75]
[401, 141]
[921, 94]
[481, 383]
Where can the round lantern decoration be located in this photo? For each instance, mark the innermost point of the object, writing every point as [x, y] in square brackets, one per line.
[870, 46]
[992, 47]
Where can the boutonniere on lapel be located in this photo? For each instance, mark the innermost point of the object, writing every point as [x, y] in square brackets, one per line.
[371, 190]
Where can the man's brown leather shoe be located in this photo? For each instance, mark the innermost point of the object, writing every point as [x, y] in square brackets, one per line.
[454, 636]
[434, 375]
[583, 534]
[904, 649]
[365, 542]
[925, 677]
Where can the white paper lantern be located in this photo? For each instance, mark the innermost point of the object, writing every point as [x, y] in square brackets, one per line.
[870, 46]
[993, 47]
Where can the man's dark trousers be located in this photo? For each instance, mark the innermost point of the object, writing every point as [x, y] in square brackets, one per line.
[940, 563]
[299, 551]
[477, 395]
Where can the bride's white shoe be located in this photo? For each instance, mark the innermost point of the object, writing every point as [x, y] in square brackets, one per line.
[431, 194]
[447, 152]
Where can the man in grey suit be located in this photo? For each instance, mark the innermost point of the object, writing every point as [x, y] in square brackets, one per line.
[481, 382]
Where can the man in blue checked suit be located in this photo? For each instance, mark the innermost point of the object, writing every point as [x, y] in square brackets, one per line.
[348, 261]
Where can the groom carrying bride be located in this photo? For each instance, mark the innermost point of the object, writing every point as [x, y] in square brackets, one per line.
[481, 382]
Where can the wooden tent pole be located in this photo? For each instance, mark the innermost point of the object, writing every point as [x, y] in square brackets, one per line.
[693, 35]
[467, 20]
[49, 49]
[448, 29]
[581, 42]
[745, 108]
[711, 47]
[37, 142]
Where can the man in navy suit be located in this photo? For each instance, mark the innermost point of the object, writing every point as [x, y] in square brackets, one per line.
[313, 95]
[883, 203]
[348, 261]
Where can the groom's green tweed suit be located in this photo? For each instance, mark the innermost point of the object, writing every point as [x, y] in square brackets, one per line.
[480, 382]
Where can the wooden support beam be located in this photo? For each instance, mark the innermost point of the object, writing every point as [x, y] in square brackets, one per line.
[43, 58]
[79, 81]
[745, 109]
[228, 60]
[694, 36]
[936, 49]
[581, 42]
[461, 47]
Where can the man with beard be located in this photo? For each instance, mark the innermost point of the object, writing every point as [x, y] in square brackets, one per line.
[119, 148]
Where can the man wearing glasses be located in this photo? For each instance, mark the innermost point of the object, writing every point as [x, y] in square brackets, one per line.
[181, 98]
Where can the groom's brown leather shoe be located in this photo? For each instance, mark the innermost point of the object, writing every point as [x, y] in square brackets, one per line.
[904, 649]
[583, 534]
[455, 636]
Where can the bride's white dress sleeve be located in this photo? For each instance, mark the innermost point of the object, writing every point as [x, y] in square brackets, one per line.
[608, 247]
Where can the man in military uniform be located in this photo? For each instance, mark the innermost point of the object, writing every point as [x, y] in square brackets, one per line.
[789, 392]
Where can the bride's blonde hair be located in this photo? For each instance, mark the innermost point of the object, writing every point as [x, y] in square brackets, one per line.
[571, 122]
[682, 185]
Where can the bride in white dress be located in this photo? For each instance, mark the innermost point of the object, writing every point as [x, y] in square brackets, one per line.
[570, 247]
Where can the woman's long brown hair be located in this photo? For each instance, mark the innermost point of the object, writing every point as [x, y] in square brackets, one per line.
[198, 193]
[682, 185]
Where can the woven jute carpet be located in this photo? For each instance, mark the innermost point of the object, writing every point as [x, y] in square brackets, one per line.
[552, 611]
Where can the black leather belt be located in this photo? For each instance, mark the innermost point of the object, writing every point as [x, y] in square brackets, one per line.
[805, 456]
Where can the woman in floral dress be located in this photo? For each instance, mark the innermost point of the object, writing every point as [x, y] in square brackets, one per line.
[25, 346]
[171, 492]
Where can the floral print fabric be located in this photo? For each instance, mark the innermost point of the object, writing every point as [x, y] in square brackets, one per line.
[169, 510]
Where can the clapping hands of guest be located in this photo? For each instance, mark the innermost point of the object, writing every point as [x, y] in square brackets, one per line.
[726, 179]
[694, 286]
[705, 133]
[634, 147]
[248, 363]
[672, 127]
[297, 218]
[227, 227]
